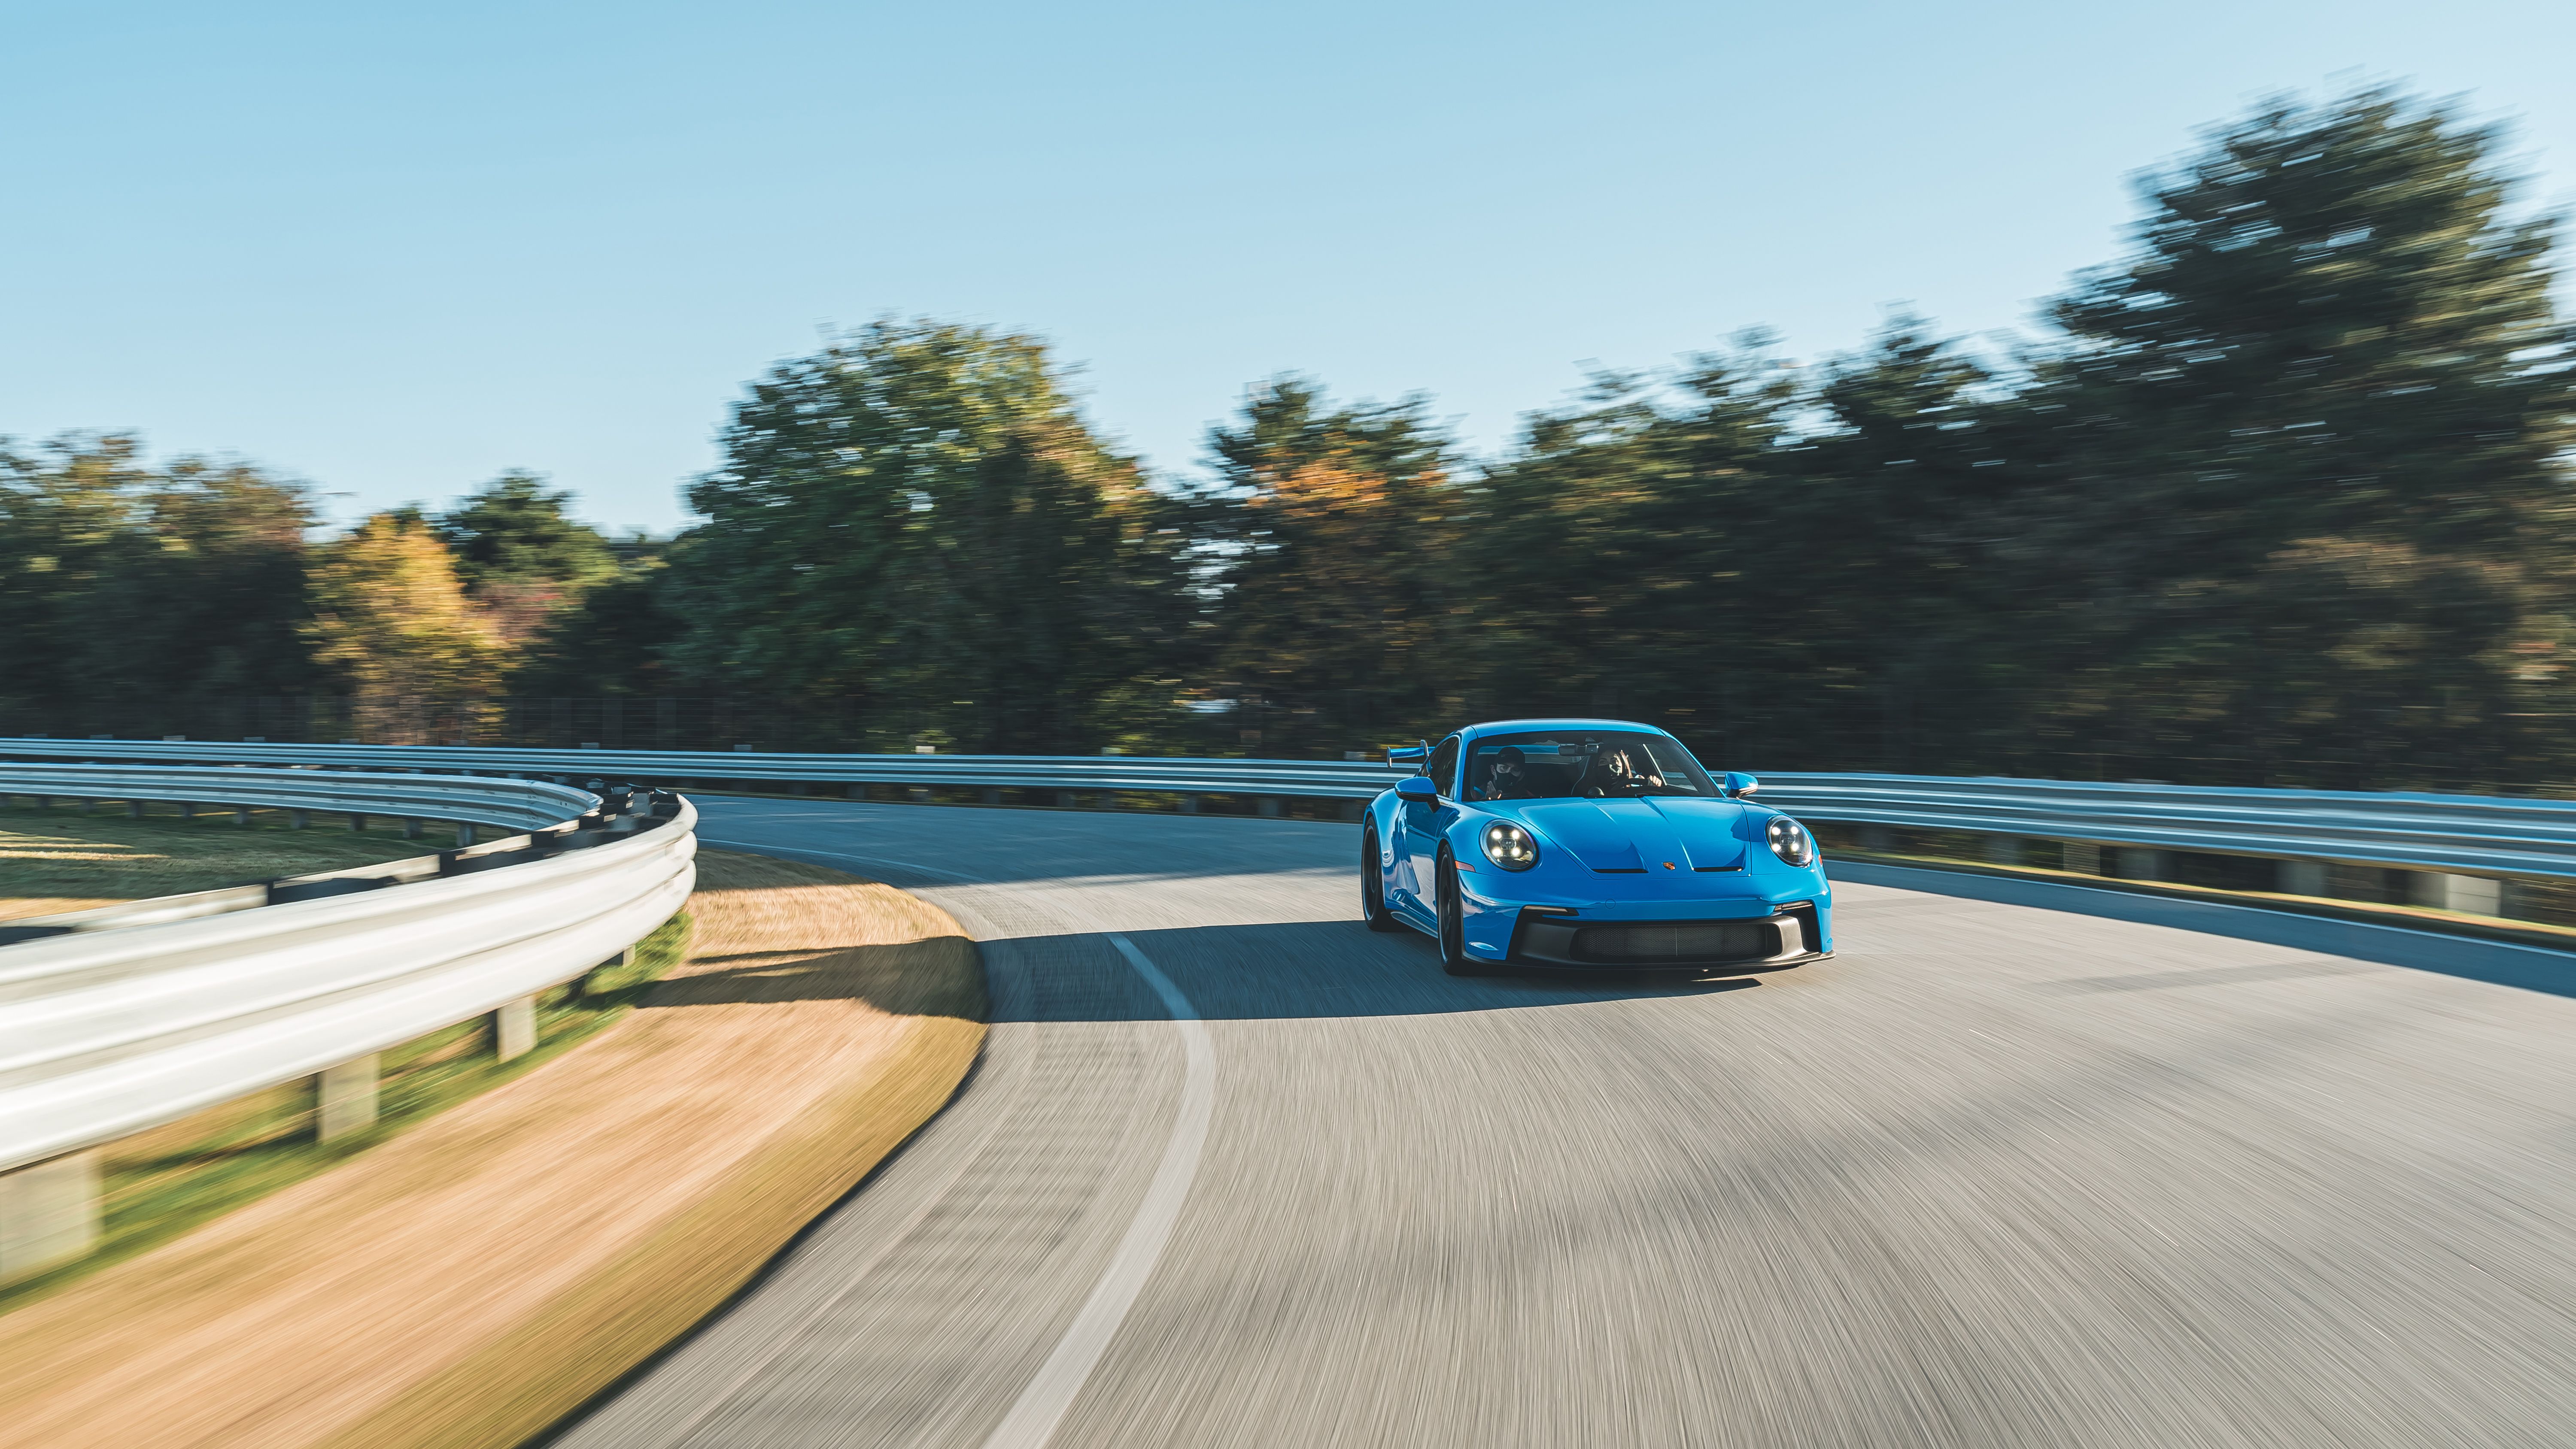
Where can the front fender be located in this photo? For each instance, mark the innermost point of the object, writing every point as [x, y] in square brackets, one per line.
[1381, 817]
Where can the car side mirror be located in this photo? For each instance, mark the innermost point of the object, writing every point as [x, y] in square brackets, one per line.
[1418, 791]
[1739, 784]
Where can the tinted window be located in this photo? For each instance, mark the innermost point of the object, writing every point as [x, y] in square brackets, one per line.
[1444, 767]
[1583, 765]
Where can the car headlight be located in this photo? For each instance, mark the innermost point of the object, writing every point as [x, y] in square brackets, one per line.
[1509, 846]
[1791, 842]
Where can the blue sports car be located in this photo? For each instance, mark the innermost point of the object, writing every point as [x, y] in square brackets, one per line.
[1588, 842]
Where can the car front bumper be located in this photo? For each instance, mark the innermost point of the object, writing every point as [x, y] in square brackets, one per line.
[1545, 936]
[1789, 922]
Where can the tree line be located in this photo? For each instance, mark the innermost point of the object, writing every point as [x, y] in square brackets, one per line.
[2280, 496]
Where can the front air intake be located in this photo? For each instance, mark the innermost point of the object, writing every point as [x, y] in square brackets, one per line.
[1691, 941]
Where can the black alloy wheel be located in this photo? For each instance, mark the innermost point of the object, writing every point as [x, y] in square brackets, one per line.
[1453, 923]
[1373, 886]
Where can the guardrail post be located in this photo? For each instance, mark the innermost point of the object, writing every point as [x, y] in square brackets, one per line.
[294, 819]
[2141, 863]
[2003, 850]
[2082, 857]
[49, 1213]
[348, 1098]
[858, 792]
[1877, 839]
[464, 834]
[992, 796]
[920, 794]
[1064, 800]
[86, 802]
[133, 809]
[2475, 895]
[514, 1028]
[2513, 899]
[2303, 878]
[1189, 804]
[241, 815]
[411, 827]
[1270, 806]
[187, 810]
[357, 822]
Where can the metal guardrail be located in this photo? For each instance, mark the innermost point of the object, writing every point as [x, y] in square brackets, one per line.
[2468, 834]
[1323, 779]
[2456, 833]
[518, 804]
[108, 1032]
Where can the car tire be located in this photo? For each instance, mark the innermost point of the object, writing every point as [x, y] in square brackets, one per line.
[1453, 922]
[1373, 911]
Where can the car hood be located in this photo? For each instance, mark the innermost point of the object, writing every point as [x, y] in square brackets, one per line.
[1642, 834]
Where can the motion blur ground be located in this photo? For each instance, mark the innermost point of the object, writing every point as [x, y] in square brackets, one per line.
[1994, 1175]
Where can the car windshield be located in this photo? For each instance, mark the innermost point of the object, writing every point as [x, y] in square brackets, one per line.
[1582, 765]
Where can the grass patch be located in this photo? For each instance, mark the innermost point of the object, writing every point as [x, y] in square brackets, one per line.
[59, 854]
[161, 1183]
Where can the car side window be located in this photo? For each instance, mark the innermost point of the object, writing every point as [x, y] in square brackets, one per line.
[1444, 768]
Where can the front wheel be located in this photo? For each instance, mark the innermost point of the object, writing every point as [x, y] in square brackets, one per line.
[1373, 909]
[1453, 923]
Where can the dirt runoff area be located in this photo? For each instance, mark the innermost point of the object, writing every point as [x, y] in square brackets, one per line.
[473, 1280]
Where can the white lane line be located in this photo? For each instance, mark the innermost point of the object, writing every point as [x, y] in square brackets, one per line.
[780, 1343]
[1041, 1406]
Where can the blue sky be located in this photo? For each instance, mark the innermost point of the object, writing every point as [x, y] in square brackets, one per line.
[394, 252]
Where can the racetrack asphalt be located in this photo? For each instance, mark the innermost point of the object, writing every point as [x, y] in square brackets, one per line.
[1996, 1174]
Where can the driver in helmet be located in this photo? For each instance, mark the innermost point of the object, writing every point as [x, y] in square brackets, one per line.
[1508, 780]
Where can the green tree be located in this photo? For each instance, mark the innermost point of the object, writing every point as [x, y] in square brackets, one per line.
[917, 521]
[127, 589]
[1332, 530]
[521, 555]
[1902, 534]
[206, 593]
[1623, 557]
[66, 511]
[614, 642]
[2330, 327]
[2332, 343]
